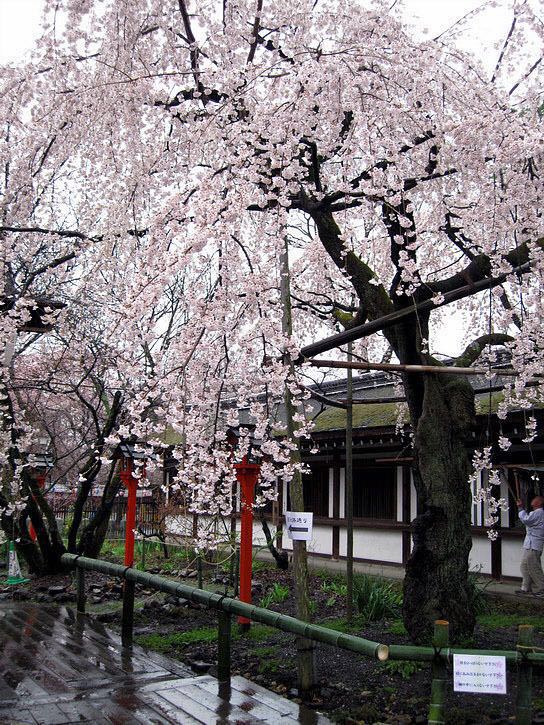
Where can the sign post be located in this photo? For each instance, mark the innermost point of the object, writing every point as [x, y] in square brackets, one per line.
[299, 525]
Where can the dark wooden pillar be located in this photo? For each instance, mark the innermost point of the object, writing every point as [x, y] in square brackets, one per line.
[336, 506]
[406, 515]
[496, 558]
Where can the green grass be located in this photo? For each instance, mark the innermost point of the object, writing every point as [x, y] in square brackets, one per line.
[257, 633]
[397, 627]
[503, 621]
[404, 668]
[165, 643]
[340, 624]
[266, 651]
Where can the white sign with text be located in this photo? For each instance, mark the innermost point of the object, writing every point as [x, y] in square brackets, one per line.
[299, 525]
[479, 673]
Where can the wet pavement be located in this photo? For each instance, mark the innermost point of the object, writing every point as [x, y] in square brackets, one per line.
[57, 667]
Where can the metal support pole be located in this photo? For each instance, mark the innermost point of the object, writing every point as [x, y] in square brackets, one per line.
[80, 574]
[223, 645]
[439, 674]
[127, 622]
[524, 713]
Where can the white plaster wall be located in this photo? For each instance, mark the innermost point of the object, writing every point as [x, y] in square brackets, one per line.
[377, 544]
[504, 495]
[258, 535]
[413, 498]
[331, 492]
[511, 556]
[399, 493]
[342, 493]
[479, 559]
[179, 525]
[183, 526]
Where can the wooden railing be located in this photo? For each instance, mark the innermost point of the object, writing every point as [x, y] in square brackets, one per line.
[440, 655]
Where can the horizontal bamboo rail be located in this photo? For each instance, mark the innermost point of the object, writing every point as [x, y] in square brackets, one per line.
[232, 606]
[286, 623]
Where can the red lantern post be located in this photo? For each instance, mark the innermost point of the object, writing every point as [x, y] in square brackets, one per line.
[247, 475]
[41, 463]
[131, 485]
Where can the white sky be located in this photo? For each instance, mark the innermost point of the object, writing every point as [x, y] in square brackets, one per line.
[20, 20]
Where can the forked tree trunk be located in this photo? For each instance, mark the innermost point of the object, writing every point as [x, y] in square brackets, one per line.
[94, 534]
[436, 584]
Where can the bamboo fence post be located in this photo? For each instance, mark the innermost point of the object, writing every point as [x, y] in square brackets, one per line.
[143, 553]
[439, 674]
[525, 676]
[80, 575]
[127, 620]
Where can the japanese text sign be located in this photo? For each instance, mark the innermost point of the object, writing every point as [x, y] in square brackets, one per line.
[479, 673]
[299, 525]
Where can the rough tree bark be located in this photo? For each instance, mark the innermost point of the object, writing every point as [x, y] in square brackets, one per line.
[441, 414]
[91, 470]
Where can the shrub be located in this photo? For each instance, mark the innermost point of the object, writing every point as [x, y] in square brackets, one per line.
[375, 598]
[336, 588]
[276, 595]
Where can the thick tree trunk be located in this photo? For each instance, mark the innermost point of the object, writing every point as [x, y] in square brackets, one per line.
[436, 582]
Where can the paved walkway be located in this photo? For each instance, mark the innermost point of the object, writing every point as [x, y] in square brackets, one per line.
[58, 668]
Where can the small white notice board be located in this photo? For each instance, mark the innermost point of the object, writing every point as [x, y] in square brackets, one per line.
[479, 673]
[299, 525]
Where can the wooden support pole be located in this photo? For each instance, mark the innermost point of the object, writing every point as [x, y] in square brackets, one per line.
[393, 318]
[439, 674]
[223, 646]
[349, 493]
[127, 622]
[80, 605]
[397, 367]
[525, 676]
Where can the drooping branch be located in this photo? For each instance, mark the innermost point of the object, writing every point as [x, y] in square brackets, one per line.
[473, 351]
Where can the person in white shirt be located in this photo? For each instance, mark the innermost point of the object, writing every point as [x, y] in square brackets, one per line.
[531, 565]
